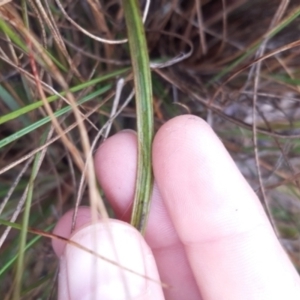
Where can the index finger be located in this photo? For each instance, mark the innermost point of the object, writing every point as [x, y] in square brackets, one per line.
[231, 247]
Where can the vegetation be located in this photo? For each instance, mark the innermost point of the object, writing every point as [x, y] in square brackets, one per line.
[67, 82]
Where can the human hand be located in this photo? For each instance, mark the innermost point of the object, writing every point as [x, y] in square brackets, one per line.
[207, 230]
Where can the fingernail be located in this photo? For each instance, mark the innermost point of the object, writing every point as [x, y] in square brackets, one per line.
[86, 276]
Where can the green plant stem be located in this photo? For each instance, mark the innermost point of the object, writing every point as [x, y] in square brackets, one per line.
[144, 110]
[25, 221]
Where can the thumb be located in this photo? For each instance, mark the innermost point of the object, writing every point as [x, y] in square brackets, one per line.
[127, 269]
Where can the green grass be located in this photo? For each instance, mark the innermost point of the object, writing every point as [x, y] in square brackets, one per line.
[79, 82]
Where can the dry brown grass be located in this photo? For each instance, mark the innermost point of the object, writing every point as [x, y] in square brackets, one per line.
[242, 77]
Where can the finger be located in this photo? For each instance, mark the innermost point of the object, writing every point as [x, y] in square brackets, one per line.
[115, 164]
[126, 268]
[115, 167]
[231, 247]
[63, 227]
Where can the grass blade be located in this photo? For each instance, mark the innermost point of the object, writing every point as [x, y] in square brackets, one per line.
[288, 20]
[144, 110]
[19, 112]
[12, 104]
[47, 119]
[10, 262]
[26, 215]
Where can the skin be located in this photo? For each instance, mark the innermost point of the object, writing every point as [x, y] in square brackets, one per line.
[207, 235]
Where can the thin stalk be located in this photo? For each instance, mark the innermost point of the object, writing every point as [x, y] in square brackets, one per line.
[144, 111]
[25, 222]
